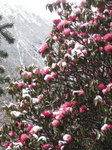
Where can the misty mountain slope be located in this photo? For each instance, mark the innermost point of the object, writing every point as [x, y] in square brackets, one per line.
[30, 31]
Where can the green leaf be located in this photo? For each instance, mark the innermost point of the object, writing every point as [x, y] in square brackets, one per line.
[105, 120]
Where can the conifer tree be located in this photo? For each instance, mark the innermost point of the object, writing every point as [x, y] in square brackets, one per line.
[3, 54]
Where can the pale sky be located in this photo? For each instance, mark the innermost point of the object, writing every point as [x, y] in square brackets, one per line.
[37, 6]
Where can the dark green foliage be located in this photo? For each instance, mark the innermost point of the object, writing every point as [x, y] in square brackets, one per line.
[9, 38]
[3, 54]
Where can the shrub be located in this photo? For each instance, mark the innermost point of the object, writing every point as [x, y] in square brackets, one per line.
[67, 105]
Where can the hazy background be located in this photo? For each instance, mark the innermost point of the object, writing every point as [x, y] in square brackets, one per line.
[37, 6]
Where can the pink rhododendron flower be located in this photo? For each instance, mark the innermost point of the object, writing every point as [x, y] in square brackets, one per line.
[52, 34]
[81, 92]
[109, 85]
[35, 129]
[85, 52]
[56, 21]
[45, 70]
[59, 112]
[47, 77]
[90, 22]
[106, 127]
[60, 26]
[24, 137]
[74, 33]
[66, 22]
[94, 133]
[10, 145]
[46, 146]
[53, 74]
[59, 116]
[108, 48]
[50, 76]
[101, 48]
[27, 74]
[46, 113]
[43, 47]
[20, 141]
[101, 86]
[104, 91]
[61, 143]
[108, 37]
[110, 24]
[40, 96]
[19, 124]
[102, 16]
[83, 33]
[85, 40]
[66, 104]
[55, 123]
[6, 144]
[58, 38]
[11, 105]
[20, 84]
[29, 127]
[83, 2]
[62, 23]
[68, 109]
[107, 89]
[103, 102]
[12, 134]
[36, 71]
[97, 38]
[67, 137]
[31, 85]
[71, 18]
[74, 103]
[63, 1]
[66, 31]
[83, 109]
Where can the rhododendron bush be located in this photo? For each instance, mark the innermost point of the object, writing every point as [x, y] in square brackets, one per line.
[67, 105]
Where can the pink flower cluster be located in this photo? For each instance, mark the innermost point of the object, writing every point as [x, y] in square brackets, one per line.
[46, 113]
[83, 109]
[97, 38]
[55, 21]
[12, 134]
[27, 74]
[48, 77]
[58, 115]
[108, 48]
[24, 137]
[67, 137]
[43, 47]
[106, 127]
[80, 92]
[101, 86]
[62, 24]
[66, 31]
[108, 37]
[8, 144]
[36, 71]
[107, 89]
[45, 71]
[20, 84]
